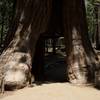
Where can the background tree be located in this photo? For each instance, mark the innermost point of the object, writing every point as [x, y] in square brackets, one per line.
[97, 33]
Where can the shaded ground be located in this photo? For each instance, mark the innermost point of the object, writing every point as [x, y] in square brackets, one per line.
[55, 68]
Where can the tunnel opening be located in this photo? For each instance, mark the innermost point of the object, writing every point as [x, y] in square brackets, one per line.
[49, 60]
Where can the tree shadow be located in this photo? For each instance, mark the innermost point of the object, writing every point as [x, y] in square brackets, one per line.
[55, 70]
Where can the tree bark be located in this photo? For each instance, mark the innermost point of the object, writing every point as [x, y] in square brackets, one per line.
[31, 19]
[34, 17]
[98, 28]
[81, 59]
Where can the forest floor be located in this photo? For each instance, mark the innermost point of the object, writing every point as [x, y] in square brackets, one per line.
[59, 90]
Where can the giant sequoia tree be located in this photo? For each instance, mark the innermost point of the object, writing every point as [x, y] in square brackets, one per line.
[31, 19]
[34, 17]
[81, 59]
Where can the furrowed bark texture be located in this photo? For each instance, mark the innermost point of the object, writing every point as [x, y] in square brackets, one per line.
[35, 17]
[81, 58]
[31, 19]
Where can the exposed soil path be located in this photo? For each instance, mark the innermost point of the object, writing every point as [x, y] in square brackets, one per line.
[54, 91]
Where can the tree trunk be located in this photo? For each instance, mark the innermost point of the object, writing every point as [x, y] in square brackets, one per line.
[98, 28]
[81, 59]
[31, 19]
[38, 60]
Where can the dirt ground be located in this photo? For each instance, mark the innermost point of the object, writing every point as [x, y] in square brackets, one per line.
[53, 91]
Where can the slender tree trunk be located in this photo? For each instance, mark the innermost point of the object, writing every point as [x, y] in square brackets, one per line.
[2, 25]
[98, 28]
[2, 29]
[54, 45]
[81, 59]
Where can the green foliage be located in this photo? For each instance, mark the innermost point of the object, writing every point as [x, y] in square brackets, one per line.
[6, 13]
[90, 17]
